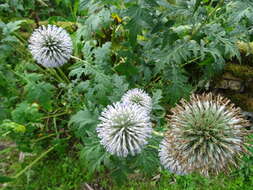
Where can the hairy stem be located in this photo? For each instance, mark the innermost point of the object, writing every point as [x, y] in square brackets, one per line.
[63, 75]
[54, 73]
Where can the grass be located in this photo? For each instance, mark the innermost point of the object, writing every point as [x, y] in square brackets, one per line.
[68, 172]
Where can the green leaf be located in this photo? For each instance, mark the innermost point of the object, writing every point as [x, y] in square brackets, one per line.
[148, 161]
[26, 112]
[5, 179]
[196, 6]
[102, 53]
[127, 68]
[17, 128]
[11, 27]
[179, 86]
[94, 154]
[157, 109]
[99, 18]
[42, 93]
[84, 121]
[140, 19]
[119, 175]
[120, 87]
[156, 99]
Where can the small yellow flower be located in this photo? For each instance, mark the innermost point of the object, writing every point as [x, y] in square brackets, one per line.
[116, 18]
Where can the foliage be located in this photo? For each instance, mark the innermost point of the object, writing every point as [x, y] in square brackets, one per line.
[169, 48]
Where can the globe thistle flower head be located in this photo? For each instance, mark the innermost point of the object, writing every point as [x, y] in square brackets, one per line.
[51, 46]
[168, 160]
[206, 135]
[138, 96]
[124, 129]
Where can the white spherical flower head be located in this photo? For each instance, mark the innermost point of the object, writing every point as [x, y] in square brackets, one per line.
[51, 46]
[168, 160]
[124, 129]
[138, 96]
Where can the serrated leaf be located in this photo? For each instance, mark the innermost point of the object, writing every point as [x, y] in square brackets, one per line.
[41, 93]
[196, 6]
[102, 53]
[26, 112]
[156, 100]
[94, 154]
[147, 161]
[127, 69]
[179, 85]
[120, 87]
[140, 19]
[12, 26]
[83, 121]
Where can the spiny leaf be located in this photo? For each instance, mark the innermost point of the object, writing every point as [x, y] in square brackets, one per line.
[140, 19]
[179, 85]
[25, 113]
[83, 120]
[94, 154]
[41, 93]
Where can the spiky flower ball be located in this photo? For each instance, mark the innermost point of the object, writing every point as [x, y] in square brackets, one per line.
[206, 135]
[51, 46]
[138, 96]
[168, 160]
[124, 129]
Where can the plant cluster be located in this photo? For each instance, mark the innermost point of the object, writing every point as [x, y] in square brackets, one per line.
[97, 78]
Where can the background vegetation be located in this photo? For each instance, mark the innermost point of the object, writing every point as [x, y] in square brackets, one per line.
[170, 48]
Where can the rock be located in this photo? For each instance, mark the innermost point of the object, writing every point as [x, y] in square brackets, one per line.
[243, 72]
[236, 83]
[229, 82]
[249, 116]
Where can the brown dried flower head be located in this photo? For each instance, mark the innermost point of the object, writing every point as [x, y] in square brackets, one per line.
[206, 135]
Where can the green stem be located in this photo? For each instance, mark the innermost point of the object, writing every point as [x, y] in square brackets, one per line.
[57, 77]
[22, 51]
[42, 138]
[34, 162]
[190, 61]
[6, 150]
[78, 59]
[50, 73]
[41, 69]
[5, 134]
[55, 127]
[87, 64]
[55, 115]
[21, 39]
[63, 75]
